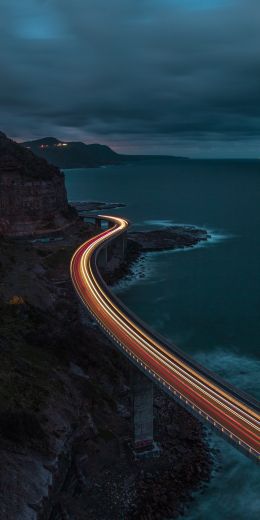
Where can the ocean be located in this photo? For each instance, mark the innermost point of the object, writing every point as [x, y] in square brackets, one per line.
[205, 299]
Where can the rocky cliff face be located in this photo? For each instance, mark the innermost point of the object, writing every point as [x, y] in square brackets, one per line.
[33, 198]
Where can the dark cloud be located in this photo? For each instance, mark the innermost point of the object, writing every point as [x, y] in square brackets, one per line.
[143, 75]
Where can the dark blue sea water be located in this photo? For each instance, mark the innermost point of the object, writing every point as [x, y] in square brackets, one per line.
[206, 299]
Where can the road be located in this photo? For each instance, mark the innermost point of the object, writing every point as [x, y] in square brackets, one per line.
[228, 410]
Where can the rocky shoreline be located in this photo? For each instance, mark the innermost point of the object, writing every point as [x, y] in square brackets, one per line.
[169, 238]
[68, 391]
[145, 241]
[142, 242]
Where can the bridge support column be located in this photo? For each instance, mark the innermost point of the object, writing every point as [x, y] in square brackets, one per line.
[142, 391]
[120, 246]
[102, 258]
[98, 223]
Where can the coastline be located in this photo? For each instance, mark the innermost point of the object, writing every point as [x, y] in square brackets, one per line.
[91, 381]
[141, 243]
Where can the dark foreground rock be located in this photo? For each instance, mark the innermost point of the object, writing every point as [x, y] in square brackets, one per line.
[105, 482]
[65, 404]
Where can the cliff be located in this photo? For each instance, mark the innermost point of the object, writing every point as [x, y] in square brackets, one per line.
[33, 197]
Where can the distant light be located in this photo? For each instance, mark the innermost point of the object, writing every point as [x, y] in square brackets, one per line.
[44, 146]
[61, 144]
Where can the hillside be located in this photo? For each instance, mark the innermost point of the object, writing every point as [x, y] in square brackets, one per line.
[73, 154]
[14, 158]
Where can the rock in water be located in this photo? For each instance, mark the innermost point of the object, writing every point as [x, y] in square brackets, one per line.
[33, 198]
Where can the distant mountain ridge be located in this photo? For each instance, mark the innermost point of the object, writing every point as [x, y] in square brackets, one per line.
[75, 154]
[72, 154]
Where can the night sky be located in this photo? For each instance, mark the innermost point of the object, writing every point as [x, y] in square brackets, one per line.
[143, 76]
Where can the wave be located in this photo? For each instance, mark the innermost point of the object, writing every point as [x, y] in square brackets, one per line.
[229, 494]
[218, 236]
[240, 370]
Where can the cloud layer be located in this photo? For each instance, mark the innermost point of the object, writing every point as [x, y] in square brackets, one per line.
[166, 76]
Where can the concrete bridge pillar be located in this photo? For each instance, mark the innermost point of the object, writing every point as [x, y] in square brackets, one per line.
[120, 246]
[102, 258]
[98, 223]
[110, 224]
[142, 392]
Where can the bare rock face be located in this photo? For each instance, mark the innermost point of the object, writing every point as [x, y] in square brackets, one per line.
[33, 198]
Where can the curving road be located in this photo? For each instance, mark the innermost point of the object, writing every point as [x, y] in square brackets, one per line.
[231, 412]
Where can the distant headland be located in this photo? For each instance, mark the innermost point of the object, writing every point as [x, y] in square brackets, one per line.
[75, 154]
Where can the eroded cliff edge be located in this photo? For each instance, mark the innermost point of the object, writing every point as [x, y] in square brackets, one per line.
[33, 196]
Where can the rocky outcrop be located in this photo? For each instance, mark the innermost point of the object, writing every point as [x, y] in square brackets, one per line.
[33, 197]
[172, 237]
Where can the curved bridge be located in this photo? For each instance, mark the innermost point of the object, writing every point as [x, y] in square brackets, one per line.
[229, 411]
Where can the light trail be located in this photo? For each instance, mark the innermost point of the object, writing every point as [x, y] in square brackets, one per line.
[227, 410]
